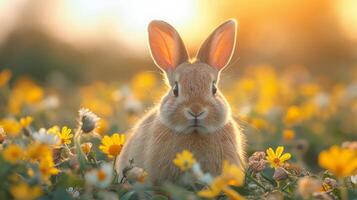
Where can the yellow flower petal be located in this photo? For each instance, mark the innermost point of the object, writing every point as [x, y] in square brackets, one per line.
[285, 157]
[279, 151]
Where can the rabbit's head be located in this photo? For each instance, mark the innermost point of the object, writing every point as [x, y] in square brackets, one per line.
[194, 102]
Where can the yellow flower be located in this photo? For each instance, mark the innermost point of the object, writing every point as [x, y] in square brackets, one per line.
[340, 161]
[103, 126]
[143, 84]
[23, 191]
[54, 130]
[112, 145]
[277, 158]
[293, 115]
[12, 153]
[259, 123]
[288, 134]
[38, 151]
[47, 168]
[231, 176]
[10, 126]
[65, 135]
[184, 160]
[5, 76]
[26, 121]
[86, 147]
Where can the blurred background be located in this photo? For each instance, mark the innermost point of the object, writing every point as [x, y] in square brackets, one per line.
[91, 39]
[292, 81]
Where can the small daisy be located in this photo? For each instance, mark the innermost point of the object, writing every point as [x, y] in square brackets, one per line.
[44, 137]
[101, 177]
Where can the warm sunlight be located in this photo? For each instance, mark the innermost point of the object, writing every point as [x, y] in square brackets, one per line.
[346, 10]
[123, 21]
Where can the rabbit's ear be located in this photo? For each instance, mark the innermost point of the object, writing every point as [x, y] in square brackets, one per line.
[166, 46]
[218, 48]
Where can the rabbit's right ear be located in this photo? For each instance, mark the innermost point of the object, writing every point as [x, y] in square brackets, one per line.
[166, 45]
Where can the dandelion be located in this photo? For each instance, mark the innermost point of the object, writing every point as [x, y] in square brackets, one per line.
[112, 145]
[231, 176]
[288, 134]
[12, 153]
[100, 177]
[47, 168]
[45, 137]
[341, 162]
[88, 120]
[26, 121]
[23, 191]
[184, 160]
[11, 126]
[65, 135]
[277, 158]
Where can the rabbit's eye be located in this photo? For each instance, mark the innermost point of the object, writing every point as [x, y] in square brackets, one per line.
[214, 88]
[175, 89]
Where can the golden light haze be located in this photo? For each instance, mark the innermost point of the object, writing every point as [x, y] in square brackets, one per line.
[83, 22]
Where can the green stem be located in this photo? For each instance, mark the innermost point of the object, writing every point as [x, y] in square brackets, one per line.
[82, 158]
[255, 181]
[343, 190]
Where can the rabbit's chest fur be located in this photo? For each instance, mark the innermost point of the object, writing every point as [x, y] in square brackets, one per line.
[153, 147]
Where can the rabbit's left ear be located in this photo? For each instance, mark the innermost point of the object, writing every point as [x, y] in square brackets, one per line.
[218, 48]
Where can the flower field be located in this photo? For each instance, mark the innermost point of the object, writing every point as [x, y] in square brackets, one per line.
[60, 140]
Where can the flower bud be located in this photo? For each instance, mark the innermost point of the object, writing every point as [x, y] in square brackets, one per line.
[88, 120]
[329, 184]
[307, 186]
[280, 174]
[137, 174]
[257, 162]
[86, 147]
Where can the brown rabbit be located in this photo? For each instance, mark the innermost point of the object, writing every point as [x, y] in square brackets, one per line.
[193, 114]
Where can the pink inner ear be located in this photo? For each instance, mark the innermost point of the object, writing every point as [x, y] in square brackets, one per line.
[222, 48]
[166, 46]
[162, 47]
[217, 50]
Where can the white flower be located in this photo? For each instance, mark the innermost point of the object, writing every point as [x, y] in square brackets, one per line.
[73, 192]
[100, 177]
[203, 177]
[354, 179]
[46, 138]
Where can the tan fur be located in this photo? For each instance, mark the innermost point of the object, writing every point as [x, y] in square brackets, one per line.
[167, 129]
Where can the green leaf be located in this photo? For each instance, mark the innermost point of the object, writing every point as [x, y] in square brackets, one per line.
[128, 195]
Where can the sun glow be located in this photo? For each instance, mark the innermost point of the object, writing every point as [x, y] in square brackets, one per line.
[346, 10]
[124, 21]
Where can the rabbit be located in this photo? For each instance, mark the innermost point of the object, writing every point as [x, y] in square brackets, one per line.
[193, 115]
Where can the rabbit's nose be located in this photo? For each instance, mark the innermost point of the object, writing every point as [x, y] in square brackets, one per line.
[197, 114]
